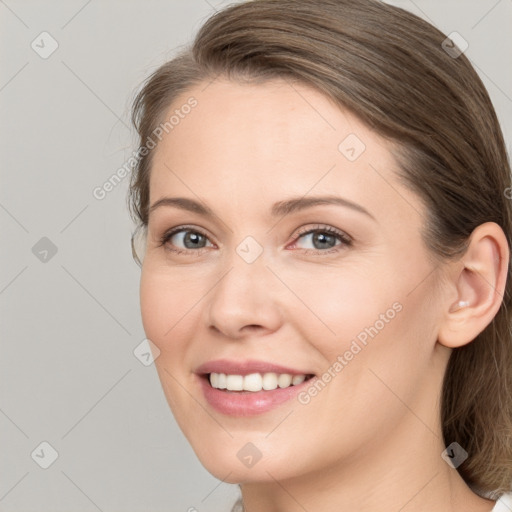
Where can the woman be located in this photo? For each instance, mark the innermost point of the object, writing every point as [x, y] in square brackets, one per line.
[324, 236]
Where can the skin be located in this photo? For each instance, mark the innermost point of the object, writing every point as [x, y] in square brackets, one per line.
[371, 439]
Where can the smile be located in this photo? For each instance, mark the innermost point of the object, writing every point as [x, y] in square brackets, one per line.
[247, 388]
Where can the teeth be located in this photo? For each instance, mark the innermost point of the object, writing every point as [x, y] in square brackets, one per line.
[298, 379]
[255, 381]
[234, 382]
[252, 382]
[221, 381]
[270, 381]
[284, 380]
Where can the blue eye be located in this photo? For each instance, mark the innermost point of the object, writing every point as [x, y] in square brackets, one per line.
[322, 239]
[189, 239]
[185, 239]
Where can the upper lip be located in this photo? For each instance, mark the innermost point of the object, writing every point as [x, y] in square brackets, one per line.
[245, 367]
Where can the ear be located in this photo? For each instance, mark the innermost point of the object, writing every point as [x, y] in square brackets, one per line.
[476, 286]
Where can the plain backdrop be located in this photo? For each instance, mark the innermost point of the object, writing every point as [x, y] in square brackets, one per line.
[70, 319]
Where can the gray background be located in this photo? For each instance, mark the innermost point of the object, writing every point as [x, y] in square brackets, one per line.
[70, 323]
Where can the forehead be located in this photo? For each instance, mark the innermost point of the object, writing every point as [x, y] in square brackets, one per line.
[290, 115]
[259, 141]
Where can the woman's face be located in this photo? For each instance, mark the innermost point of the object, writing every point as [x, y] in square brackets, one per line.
[295, 253]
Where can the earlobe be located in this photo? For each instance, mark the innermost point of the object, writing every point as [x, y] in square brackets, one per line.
[479, 286]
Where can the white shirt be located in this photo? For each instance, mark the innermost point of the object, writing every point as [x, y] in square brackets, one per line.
[504, 504]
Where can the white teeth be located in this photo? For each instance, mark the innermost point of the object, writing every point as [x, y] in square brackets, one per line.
[270, 381]
[234, 382]
[221, 381]
[284, 380]
[298, 379]
[255, 381]
[252, 382]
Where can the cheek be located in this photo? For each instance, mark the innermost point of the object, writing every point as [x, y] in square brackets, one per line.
[362, 319]
[169, 318]
[334, 305]
[167, 305]
[152, 306]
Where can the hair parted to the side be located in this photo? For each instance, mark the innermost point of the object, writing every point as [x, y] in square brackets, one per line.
[386, 66]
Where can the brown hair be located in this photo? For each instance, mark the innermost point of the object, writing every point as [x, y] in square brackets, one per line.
[389, 68]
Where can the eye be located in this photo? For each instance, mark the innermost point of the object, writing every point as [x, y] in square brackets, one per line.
[182, 239]
[322, 239]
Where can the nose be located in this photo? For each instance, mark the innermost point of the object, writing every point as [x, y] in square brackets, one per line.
[245, 300]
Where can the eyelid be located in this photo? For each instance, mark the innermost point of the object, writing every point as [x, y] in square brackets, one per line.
[321, 227]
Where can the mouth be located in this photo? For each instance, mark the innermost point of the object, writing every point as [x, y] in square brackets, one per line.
[249, 388]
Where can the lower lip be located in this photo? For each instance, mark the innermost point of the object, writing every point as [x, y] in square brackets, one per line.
[248, 403]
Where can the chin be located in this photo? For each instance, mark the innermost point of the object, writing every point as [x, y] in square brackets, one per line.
[239, 461]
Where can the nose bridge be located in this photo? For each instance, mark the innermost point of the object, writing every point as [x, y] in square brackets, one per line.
[245, 294]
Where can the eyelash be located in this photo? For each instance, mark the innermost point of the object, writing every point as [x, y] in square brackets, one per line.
[346, 240]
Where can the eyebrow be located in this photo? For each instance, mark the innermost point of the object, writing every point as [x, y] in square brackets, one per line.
[279, 209]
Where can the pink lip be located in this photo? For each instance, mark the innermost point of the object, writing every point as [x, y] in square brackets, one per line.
[246, 403]
[245, 368]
